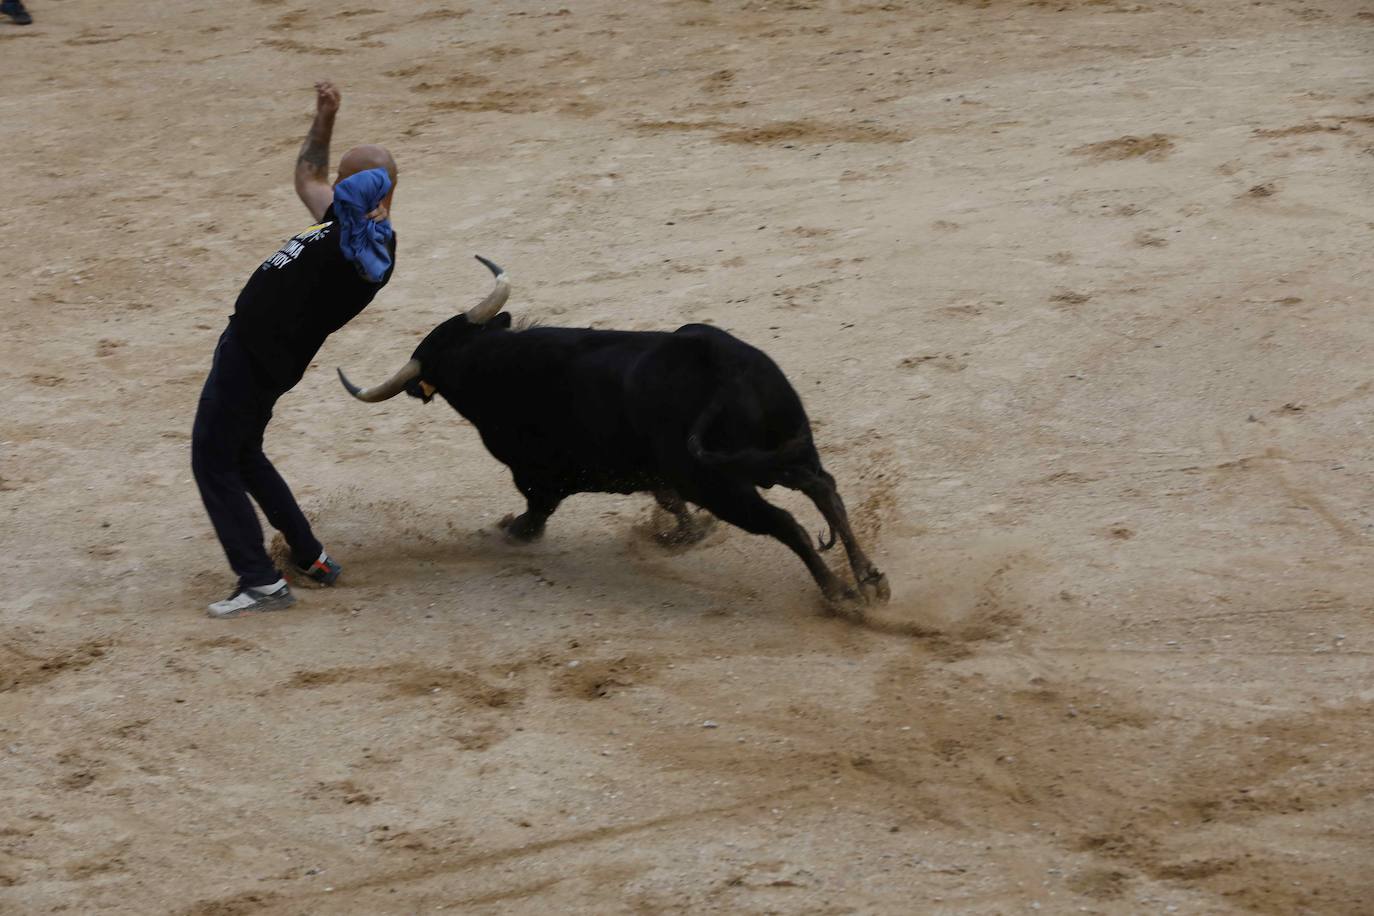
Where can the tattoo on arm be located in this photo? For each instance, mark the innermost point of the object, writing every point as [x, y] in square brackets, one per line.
[312, 166]
[314, 156]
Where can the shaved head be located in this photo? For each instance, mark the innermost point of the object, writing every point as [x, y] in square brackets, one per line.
[367, 156]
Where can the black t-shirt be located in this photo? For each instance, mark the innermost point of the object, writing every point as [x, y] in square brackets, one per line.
[297, 298]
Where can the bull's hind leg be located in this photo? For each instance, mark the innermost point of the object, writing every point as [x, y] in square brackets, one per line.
[741, 505]
[820, 487]
[528, 526]
[690, 528]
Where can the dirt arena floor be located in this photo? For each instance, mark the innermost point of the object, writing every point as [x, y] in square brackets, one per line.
[1076, 292]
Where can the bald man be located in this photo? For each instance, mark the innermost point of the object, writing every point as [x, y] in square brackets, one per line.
[314, 285]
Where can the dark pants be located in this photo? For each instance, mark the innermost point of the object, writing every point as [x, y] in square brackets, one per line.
[227, 459]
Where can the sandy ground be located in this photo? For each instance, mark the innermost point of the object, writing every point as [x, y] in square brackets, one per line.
[1076, 292]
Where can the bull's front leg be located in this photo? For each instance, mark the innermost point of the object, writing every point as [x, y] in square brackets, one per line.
[528, 526]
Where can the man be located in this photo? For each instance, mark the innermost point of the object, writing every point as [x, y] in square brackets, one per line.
[314, 285]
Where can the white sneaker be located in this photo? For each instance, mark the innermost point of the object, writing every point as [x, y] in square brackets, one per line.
[253, 600]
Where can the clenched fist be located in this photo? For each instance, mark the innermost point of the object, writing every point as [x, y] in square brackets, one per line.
[327, 98]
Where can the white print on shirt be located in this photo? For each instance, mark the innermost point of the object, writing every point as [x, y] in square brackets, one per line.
[293, 248]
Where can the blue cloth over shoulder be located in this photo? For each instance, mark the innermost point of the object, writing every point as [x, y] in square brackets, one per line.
[366, 243]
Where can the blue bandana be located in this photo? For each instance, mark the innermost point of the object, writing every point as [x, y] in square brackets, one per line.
[364, 242]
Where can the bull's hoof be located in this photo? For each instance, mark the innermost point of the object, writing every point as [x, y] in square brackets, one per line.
[518, 529]
[875, 588]
[843, 601]
[685, 534]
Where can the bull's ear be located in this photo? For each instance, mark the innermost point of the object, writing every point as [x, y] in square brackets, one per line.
[501, 322]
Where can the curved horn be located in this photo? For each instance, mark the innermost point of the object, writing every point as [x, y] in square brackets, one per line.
[486, 310]
[388, 389]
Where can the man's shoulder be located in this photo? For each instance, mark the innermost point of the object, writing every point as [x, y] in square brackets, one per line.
[307, 240]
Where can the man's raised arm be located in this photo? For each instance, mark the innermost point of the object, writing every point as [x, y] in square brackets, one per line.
[312, 165]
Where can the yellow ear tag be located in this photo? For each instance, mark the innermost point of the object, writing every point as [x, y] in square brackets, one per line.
[427, 388]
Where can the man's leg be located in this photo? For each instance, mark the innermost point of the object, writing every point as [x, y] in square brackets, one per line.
[279, 505]
[217, 442]
[230, 416]
[275, 499]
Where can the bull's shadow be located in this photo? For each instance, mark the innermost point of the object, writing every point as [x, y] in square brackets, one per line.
[622, 563]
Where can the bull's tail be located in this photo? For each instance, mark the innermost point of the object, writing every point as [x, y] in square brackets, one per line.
[748, 460]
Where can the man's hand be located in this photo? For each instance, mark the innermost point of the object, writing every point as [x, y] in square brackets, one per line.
[312, 165]
[327, 98]
[379, 214]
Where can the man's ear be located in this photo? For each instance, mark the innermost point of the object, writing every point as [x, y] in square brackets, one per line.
[501, 322]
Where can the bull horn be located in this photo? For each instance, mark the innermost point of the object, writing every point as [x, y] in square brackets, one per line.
[486, 310]
[388, 389]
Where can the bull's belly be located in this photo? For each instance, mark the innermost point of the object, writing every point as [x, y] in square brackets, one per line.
[612, 461]
[608, 481]
[576, 477]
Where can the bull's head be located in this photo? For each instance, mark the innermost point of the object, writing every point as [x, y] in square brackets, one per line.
[410, 378]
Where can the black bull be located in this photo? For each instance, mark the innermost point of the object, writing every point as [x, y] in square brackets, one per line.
[695, 415]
